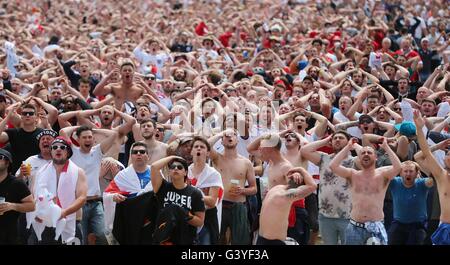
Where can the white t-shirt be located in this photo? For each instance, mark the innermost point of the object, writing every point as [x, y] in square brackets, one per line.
[207, 55]
[36, 162]
[91, 164]
[147, 60]
[353, 131]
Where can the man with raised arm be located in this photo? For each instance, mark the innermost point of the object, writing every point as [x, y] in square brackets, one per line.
[442, 235]
[368, 188]
[235, 170]
[277, 205]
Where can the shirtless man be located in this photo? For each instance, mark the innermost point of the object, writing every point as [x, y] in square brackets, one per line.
[293, 141]
[125, 91]
[273, 224]
[107, 114]
[441, 176]
[157, 150]
[368, 188]
[235, 171]
[269, 146]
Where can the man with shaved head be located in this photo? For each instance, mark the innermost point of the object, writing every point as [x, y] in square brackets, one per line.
[368, 188]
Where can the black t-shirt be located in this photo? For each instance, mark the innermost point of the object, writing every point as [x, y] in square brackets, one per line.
[426, 56]
[23, 145]
[14, 191]
[190, 198]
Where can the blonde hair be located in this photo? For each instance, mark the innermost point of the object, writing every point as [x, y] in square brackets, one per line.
[412, 163]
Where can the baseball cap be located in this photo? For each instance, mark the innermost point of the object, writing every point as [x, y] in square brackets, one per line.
[185, 140]
[7, 154]
[406, 128]
[66, 142]
[46, 132]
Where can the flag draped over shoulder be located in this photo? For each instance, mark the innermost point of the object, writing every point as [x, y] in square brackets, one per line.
[126, 182]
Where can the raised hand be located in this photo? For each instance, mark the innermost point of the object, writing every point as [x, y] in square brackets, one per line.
[418, 119]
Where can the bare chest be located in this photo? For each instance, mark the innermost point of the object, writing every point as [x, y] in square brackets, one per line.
[231, 169]
[368, 185]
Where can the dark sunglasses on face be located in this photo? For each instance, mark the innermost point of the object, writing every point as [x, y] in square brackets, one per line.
[160, 129]
[56, 147]
[176, 166]
[397, 109]
[135, 152]
[3, 157]
[28, 113]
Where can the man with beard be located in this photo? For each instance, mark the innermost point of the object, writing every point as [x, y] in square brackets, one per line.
[156, 149]
[89, 157]
[67, 182]
[368, 188]
[334, 193]
[235, 170]
[107, 115]
[179, 74]
[409, 194]
[128, 90]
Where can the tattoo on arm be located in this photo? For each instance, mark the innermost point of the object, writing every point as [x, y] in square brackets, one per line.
[292, 194]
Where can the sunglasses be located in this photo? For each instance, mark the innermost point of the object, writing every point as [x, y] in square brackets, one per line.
[56, 147]
[267, 61]
[141, 152]
[3, 157]
[160, 129]
[28, 113]
[290, 135]
[397, 109]
[149, 78]
[176, 166]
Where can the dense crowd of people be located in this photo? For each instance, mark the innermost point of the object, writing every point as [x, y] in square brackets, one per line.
[225, 122]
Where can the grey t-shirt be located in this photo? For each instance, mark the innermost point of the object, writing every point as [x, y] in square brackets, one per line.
[334, 191]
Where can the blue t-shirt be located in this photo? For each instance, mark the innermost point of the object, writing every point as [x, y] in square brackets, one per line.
[144, 178]
[410, 204]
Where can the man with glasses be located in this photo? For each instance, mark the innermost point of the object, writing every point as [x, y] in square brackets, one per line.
[67, 183]
[22, 141]
[159, 135]
[129, 182]
[178, 197]
[89, 157]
